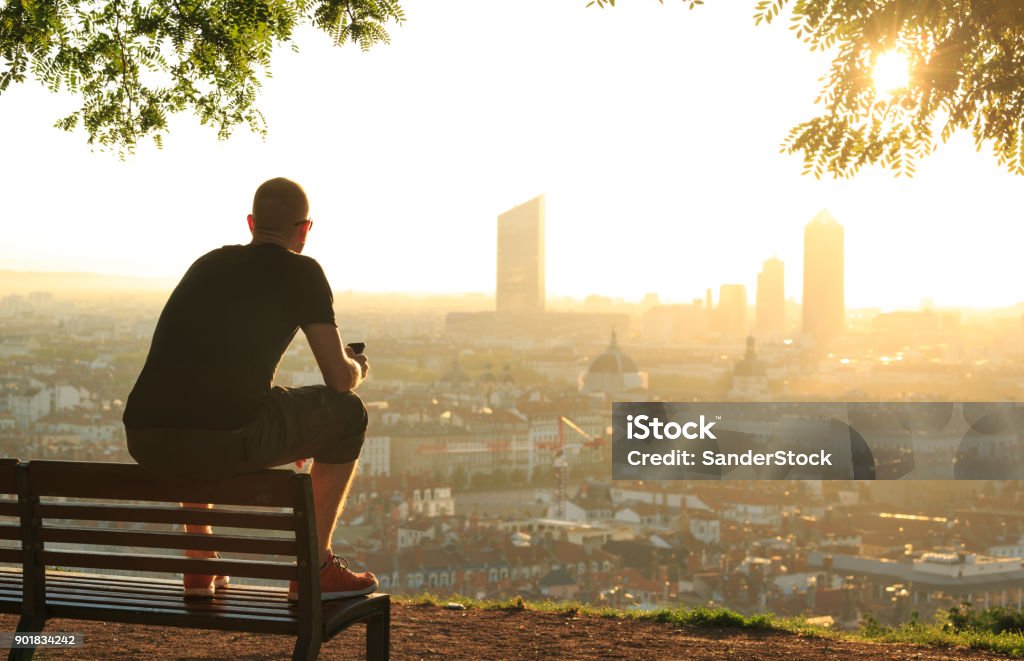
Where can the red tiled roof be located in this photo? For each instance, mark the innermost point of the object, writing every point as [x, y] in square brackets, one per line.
[633, 579]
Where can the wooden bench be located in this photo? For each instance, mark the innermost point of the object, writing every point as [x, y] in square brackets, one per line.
[113, 538]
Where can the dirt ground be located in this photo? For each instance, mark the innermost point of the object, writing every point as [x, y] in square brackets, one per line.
[431, 632]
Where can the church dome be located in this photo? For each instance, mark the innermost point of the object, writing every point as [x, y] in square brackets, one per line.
[612, 361]
[613, 373]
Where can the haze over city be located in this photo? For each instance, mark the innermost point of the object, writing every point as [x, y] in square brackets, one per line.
[656, 148]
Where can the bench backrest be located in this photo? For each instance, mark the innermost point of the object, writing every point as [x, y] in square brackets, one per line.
[10, 528]
[92, 519]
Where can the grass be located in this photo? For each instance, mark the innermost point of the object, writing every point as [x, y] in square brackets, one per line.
[699, 616]
[937, 634]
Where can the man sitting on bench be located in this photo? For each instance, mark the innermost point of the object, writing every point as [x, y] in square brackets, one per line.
[204, 405]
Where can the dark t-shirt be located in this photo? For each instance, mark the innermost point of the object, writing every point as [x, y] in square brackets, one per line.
[221, 335]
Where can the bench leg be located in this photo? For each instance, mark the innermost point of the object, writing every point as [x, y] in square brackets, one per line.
[378, 637]
[307, 647]
[27, 623]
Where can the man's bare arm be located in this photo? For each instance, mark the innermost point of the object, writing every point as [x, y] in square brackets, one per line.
[340, 371]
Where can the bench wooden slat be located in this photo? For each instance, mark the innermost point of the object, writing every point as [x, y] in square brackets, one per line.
[64, 575]
[170, 617]
[10, 531]
[243, 595]
[136, 583]
[167, 564]
[166, 514]
[7, 480]
[81, 479]
[8, 507]
[277, 608]
[10, 555]
[164, 540]
[254, 591]
[176, 602]
[232, 594]
[113, 584]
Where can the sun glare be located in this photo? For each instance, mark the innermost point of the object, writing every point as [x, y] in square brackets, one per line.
[892, 72]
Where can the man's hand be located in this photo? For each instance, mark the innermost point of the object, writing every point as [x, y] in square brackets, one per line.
[340, 369]
[364, 364]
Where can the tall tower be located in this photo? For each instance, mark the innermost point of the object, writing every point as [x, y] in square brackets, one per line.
[520, 283]
[732, 309]
[771, 297]
[824, 307]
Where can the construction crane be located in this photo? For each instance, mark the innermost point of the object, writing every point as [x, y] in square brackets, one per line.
[561, 461]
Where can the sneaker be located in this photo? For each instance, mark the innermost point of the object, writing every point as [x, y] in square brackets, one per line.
[337, 581]
[203, 586]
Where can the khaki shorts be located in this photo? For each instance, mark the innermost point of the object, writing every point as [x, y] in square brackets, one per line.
[293, 423]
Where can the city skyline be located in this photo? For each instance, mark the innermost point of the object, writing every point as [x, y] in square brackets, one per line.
[521, 239]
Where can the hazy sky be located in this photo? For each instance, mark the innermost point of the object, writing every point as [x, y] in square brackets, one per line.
[653, 131]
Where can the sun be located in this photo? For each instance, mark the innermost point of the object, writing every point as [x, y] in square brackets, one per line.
[892, 72]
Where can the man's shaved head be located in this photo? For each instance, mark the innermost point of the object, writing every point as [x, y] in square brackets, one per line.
[278, 204]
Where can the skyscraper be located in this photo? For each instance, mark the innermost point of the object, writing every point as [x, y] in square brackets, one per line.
[824, 307]
[520, 284]
[732, 309]
[771, 297]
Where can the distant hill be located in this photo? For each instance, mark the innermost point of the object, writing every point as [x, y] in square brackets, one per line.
[23, 282]
[90, 284]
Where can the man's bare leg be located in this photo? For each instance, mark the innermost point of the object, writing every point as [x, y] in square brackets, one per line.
[201, 586]
[330, 488]
[199, 530]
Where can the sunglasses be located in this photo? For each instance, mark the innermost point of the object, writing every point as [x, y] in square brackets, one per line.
[302, 222]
